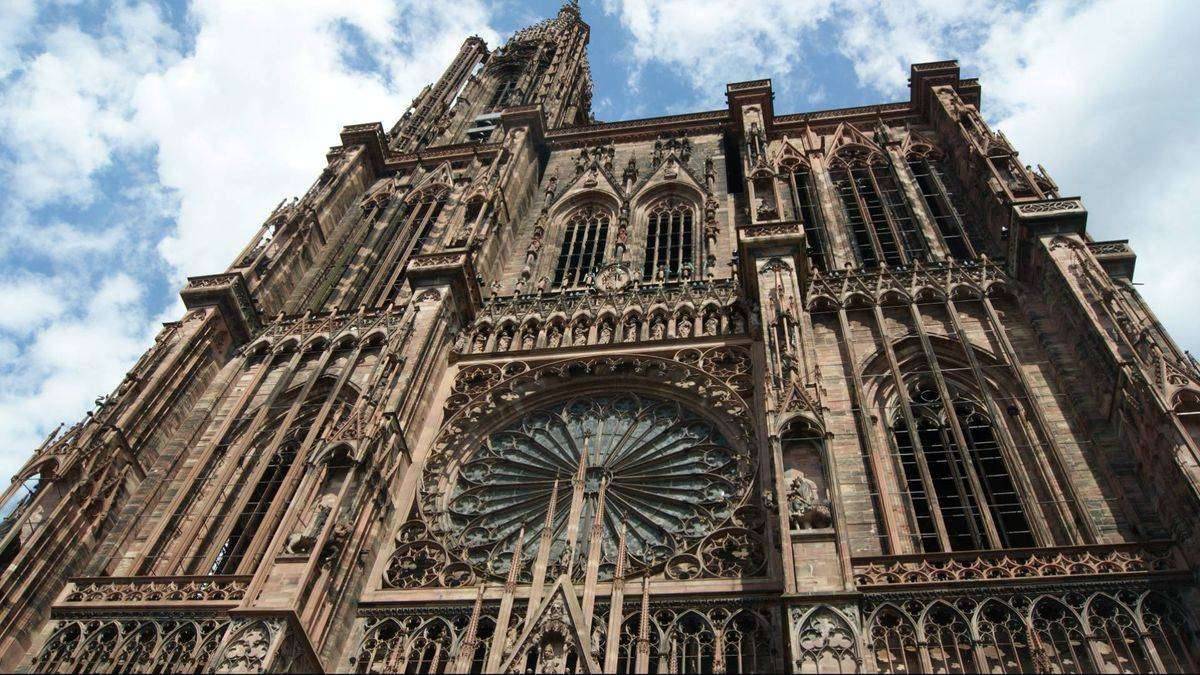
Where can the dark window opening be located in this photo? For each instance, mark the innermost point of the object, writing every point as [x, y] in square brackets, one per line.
[669, 240]
[807, 211]
[584, 241]
[939, 202]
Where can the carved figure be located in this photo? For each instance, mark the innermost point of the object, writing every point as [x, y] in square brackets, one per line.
[631, 329]
[683, 327]
[302, 541]
[658, 329]
[806, 509]
[579, 334]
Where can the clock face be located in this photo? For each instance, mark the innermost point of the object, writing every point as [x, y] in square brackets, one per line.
[610, 464]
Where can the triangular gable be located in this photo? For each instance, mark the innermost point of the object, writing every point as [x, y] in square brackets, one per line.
[847, 134]
[380, 194]
[559, 613]
[594, 179]
[915, 138]
[443, 175]
[671, 172]
[789, 149]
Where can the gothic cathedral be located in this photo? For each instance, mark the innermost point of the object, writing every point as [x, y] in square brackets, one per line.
[510, 390]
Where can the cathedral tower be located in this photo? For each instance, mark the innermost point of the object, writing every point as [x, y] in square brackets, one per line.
[510, 390]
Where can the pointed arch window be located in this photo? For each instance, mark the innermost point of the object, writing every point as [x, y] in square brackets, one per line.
[805, 206]
[424, 215]
[415, 233]
[960, 497]
[670, 239]
[881, 223]
[931, 180]
[584, 240]
[506, 93]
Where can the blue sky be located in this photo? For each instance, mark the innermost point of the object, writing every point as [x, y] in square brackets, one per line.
[141, 143]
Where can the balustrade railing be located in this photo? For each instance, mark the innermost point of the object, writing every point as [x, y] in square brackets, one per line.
[1016, 564]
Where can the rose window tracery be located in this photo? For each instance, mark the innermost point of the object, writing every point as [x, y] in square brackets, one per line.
[669, 479]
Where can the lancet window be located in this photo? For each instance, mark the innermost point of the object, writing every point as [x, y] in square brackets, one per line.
[585, 237]
[507, 92]
[233, 502]
[18, 501]
[931, 180]
[413, 234]
[881, 224]
[15, 507]
[424, 215]
[807, 210]
[670, 240]
[960, 489]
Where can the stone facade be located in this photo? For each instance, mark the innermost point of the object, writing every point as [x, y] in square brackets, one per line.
[511, 390]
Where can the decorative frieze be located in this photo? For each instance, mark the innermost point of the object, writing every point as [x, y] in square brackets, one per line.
[1022, 565]
[611, 313]
[88, 592]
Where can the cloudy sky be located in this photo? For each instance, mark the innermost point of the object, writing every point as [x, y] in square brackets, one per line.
[141, 143]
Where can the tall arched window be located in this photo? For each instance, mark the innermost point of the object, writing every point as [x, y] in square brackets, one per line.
[931, 181]
[961, 497]
[670, 239]
[881, 223]
[413, 234]
[584, 240]
[506, 90]
[807, 210]
[424, 215]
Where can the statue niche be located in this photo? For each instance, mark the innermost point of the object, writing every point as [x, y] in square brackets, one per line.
[806, 488]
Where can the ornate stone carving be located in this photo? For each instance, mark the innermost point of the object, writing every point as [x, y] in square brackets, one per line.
[807, 510]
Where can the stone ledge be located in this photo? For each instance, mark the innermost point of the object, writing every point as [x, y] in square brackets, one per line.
[228, 294]
[1065, 563]
[1116, 257]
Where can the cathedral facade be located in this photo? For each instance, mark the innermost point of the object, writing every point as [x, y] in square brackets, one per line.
[508, 389]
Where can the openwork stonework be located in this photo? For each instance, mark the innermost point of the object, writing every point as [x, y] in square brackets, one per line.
[666, 477]
[508, 389]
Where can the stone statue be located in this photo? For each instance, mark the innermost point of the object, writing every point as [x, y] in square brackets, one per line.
[806, 509]
[711, 324]
[683, 327]
[301, 541]
[658, 329]
[527, 340]
[606, 333]
[554, 338]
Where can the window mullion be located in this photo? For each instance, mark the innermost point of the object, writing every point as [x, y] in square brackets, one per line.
[889, 218]
[948, 204]
[868, 222]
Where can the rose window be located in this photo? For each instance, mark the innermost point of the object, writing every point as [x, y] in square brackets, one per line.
[668, 478]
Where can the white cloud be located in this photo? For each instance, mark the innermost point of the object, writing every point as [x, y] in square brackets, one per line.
[68, 363]
[27, 303]
[69, 108]
[1095, 95]
[16, 18]
[711, 42]
[240, 124]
